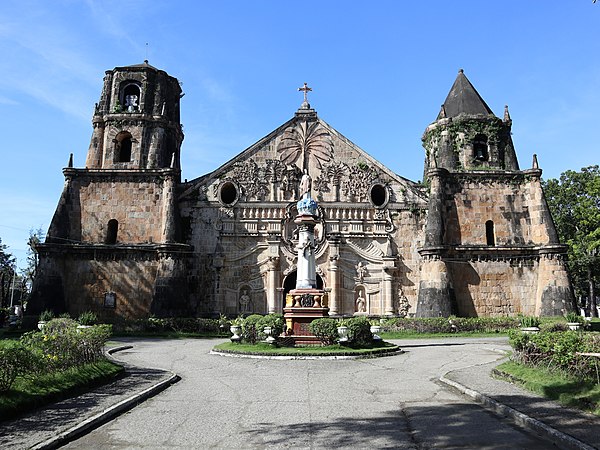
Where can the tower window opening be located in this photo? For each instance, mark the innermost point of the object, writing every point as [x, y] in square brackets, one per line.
[489, 233]
[130, 97]
[480, 148]
[123, 147]
[111, 232]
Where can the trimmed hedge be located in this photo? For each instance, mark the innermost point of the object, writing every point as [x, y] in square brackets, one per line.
[325, 329]
[451, 324]
[172, 325]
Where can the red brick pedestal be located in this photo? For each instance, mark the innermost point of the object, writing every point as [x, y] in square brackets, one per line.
[302, 306]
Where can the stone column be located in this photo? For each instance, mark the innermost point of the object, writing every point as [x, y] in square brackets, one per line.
[169, 208]
[272, 284]
[434, 298]
[334, 276]
[307, 271]
[388, 294]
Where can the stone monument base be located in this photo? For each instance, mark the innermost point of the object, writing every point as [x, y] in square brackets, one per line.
[302, 306]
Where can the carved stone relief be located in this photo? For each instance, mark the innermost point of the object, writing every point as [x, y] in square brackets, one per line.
[305, 140]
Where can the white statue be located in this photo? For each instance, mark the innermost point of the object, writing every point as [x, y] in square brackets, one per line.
[361, 304]
[131, 102]
[305, 185]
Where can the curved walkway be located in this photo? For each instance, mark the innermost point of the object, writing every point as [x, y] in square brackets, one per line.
[395, 402]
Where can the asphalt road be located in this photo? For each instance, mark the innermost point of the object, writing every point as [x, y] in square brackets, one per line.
[391, 402]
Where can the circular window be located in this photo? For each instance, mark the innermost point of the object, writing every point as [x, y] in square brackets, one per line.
[228, 193]
[379, 195]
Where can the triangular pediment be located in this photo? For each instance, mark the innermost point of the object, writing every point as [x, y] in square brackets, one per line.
[340, 170]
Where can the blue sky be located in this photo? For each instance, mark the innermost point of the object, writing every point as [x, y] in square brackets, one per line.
[379, 69]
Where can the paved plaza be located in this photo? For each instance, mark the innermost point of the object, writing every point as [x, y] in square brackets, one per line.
[391, 402]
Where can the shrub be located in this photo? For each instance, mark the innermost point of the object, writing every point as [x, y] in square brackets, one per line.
[359, 332]
[275, 321]
[325, 329]
[529, 321]
[573, 317]
[557, 350]
[87, 318]
[251, 328]
[61, 345]
[15, 360]
[46, 315]
[554, 327]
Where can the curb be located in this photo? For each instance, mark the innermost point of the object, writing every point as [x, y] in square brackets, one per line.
[110, 412]
[307, 357]
[521, 419]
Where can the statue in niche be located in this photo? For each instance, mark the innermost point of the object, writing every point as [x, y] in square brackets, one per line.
[245, 303]
[361, 271]
[361, 303]
[131, 103]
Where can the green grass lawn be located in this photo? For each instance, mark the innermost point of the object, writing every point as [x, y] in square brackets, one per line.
[27, 394]
[553, 385]
[418, 335]
[310, 350]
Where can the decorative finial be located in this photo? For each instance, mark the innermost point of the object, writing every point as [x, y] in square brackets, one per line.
[305, 89]
[506, 114]
[535, 164]
[461, 71]
[70, 160]
[173, 160]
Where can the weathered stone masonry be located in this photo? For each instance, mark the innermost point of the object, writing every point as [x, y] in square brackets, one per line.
[129, 239]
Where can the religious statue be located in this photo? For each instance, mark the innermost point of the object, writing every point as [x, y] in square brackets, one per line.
[361, 271]
[245, 301]
[305, 185]
[131, 102]
[361, 304]
[403, 305]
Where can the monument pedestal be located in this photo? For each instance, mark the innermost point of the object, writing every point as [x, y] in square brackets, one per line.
[302, 306]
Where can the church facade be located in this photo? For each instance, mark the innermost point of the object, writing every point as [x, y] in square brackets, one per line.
[129, 239]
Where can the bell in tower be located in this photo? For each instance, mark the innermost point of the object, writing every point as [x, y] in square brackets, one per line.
[467, 135]
[136, 123]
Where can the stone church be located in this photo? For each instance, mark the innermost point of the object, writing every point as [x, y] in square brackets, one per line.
[129, 239]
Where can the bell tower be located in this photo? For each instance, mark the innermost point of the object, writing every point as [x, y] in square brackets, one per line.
[466, 134]
[136, 123]
[488, 228]
[114, 243]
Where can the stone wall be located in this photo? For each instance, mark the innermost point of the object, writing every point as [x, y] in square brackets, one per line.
[509, 204]
[135, 203]
[494, 288]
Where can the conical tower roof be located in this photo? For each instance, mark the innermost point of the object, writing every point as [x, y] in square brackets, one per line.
[463, 98]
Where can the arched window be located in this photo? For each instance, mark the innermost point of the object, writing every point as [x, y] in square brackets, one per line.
[480, 148]
[111, 232]
[123, 147]
[130, 96]
[489, 233]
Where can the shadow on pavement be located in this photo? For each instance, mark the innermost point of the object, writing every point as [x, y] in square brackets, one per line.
[459, 425]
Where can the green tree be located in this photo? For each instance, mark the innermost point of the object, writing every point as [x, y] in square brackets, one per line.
[574, 201]
[29, 272]
[7, 272]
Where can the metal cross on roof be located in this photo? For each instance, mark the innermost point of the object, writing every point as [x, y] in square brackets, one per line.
[306, 89]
